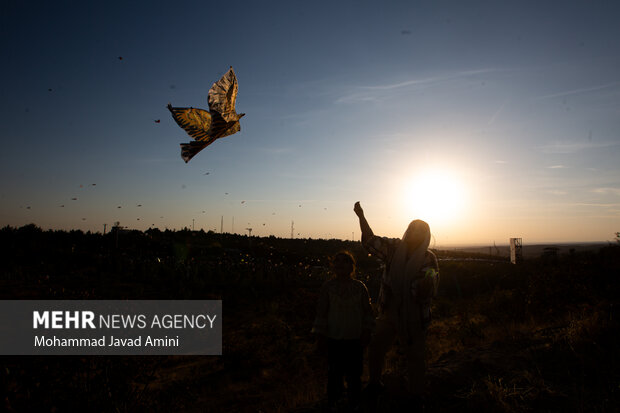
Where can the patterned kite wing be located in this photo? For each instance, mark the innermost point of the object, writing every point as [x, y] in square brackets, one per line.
[220, 128]
[205, 127]
[188, 150]
[223, 95]
[196, 122]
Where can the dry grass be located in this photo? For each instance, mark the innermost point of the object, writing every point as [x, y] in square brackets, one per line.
[534, 337]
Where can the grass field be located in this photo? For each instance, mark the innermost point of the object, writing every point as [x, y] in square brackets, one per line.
[539, 336]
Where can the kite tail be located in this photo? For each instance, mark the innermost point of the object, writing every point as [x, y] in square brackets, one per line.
[188, 150]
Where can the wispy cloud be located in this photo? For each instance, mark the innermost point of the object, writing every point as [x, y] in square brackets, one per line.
[597, 205]
[497, 112]
[428, 80]
[573, 147]
[556, 167]
[369, 93]
[578, 91]
[607, 191]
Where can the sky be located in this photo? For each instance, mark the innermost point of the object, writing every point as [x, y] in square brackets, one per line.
[487, 119]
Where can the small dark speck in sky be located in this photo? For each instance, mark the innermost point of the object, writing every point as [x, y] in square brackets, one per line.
[74, 199]
[157, 121]
[49, 90]
[405, 32]
[120, 58]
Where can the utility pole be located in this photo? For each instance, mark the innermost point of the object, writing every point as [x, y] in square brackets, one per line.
[222, 225]
[192, 224]
[292, 229]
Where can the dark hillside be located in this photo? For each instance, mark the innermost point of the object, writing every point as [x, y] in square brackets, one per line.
[540, 336]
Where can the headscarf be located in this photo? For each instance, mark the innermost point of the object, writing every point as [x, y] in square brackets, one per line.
[405, 267]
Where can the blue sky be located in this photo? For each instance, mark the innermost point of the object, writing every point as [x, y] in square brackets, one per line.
[509, 109]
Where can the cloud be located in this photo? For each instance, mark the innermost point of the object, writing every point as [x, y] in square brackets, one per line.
[497, 112]
[607, 191]
[578, 91]
[371, 93]
[556, 167]
[597, 205]
[573, 147]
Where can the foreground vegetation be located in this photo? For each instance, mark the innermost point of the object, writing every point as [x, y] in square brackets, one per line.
[540, 336]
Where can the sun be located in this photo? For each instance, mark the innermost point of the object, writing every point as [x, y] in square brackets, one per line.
[435, 196]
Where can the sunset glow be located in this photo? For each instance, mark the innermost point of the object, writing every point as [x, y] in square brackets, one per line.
[435, 196]
[507, 130]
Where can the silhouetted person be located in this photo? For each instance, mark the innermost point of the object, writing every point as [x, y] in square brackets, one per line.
[344, 321]
[409, 281]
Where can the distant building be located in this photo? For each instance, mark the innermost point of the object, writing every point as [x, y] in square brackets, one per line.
[516, 250]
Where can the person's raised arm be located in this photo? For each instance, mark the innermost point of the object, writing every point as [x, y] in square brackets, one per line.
[366, 230]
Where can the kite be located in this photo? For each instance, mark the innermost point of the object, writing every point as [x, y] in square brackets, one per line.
[206, 126]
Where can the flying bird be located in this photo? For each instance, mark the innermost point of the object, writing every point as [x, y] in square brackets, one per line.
[219, 121]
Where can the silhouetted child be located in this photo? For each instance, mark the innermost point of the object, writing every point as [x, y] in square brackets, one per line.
[344, 321]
